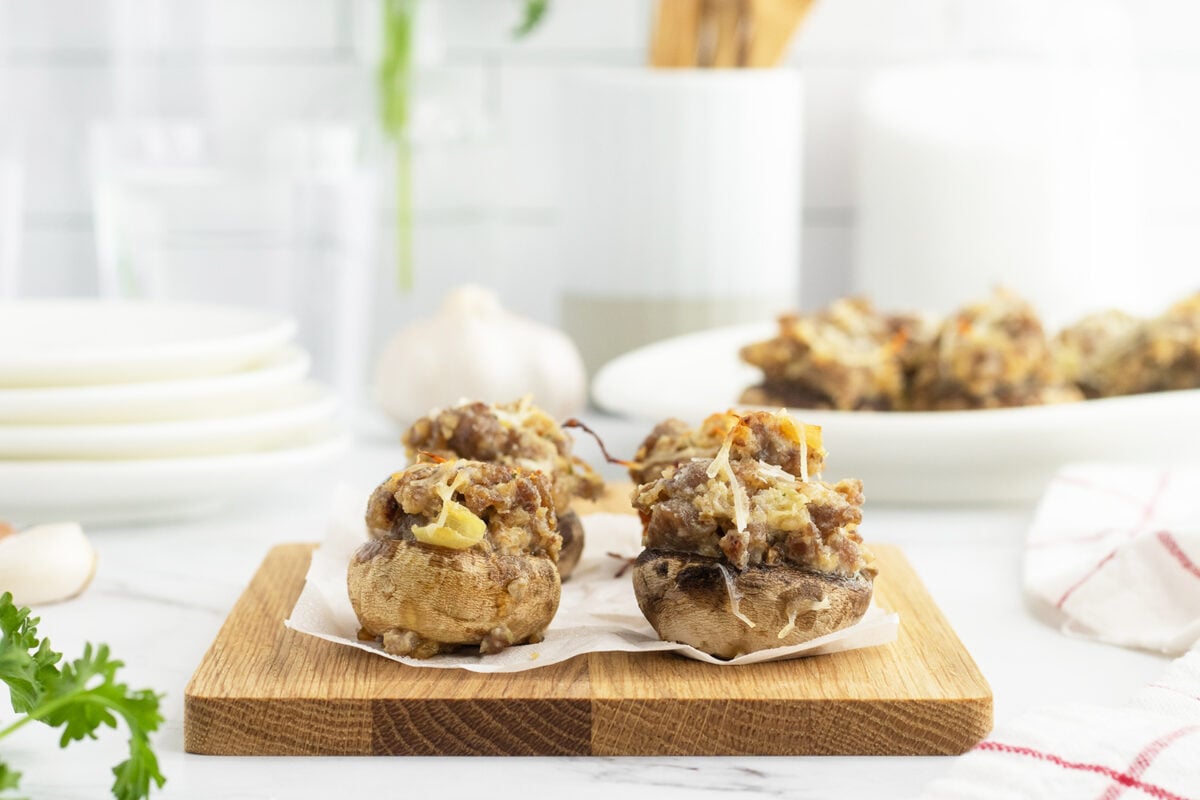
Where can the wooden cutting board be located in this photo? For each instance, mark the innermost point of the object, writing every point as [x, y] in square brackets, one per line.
[265, 690]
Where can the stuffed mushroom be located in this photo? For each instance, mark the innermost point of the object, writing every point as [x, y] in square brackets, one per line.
[849, 357]
[515, 434]
[461, 553]
[747, 549]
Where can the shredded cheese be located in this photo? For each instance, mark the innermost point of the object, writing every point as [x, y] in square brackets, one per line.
[519, 416]
[795, 611]
[735, 598]
[720, 466]
[791, 624]
[768, 471]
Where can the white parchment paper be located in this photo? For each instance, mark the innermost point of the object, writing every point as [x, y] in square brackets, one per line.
[598, 612]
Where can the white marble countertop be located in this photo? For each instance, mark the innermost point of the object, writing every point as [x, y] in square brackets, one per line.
[162, 591]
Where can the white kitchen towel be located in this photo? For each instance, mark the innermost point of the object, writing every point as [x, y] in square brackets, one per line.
[1149, 748]
[1114, 555]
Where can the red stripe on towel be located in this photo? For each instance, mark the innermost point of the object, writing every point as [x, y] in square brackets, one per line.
[1155, 496]
[1145, 758]
[1172, 545]
[1085, 578]
[1147, 514]
[1099, 769]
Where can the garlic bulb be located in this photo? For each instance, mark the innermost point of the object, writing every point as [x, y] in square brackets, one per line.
[474, 349]
[46, 563]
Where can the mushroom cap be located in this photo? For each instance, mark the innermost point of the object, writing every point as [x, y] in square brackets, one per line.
[701, 601]
[570, 528]
[452, 597]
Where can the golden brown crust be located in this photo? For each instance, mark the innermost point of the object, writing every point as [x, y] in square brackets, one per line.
[991, 354]
[768, 436]
[516, 504]
[516, 434]
[848, 356]
[419, 600]
[1152, 355]
[692, 599]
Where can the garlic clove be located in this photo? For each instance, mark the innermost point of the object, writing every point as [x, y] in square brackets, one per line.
[473, 349]
[46, 563]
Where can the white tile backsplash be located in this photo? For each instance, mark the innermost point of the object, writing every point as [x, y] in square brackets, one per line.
[266, 26]
[55, 29]
[528, 124]
[486, 200]
[51, 104]
[308, 90]
[1170, 101]
[571, 31]
[57, 260]
[1165, 31]
[874, 31]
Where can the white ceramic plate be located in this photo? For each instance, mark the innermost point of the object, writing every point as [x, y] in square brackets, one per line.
[946, 457]
[311, 405]
[269, 384]
[152, 489]
[80, 342]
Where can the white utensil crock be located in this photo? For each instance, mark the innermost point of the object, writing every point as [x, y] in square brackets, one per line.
[681, 202]
[976, 176]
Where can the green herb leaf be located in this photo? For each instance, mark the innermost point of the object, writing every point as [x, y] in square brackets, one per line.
[9, 778]
[25, 662]
[133, 775]
[80, 697]
[532, 17]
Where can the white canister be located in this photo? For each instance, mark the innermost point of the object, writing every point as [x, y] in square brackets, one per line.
[10, 224]
[681, 202]
[977, 176]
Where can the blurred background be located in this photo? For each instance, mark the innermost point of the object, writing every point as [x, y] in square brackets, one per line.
[487, 194]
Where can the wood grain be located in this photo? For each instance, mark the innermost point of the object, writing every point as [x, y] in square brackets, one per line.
[724, 33]
[265, 690]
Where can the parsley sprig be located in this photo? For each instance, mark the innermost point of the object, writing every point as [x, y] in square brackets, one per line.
[79, 696]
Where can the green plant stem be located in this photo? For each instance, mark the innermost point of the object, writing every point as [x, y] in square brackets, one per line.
[395, 88]
[16, 726]
[78, 696]
[404, 215]
[394, 85]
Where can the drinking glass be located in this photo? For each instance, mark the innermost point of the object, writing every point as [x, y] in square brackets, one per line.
[280, 218]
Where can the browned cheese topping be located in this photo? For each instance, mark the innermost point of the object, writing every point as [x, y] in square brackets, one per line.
[989, 355]
[1082, 348]
[771, 437]
[461, 504]
[1154, 355]
[745, 508]
[516, 434]
[992, 354]
[847, 357]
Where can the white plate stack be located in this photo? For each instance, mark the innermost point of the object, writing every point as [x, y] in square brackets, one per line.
[116, 411]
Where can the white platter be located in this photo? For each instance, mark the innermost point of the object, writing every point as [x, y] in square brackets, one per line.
[268, 384]
[311, 405]
[80, 342]
[947, 457]
[155, 489]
